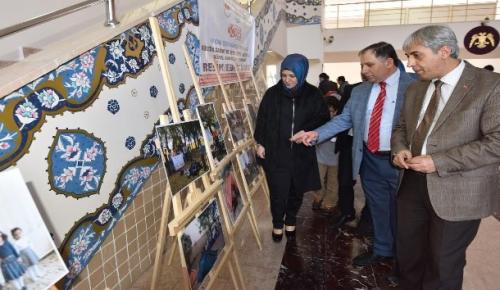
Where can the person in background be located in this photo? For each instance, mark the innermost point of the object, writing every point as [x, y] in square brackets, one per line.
[342, 83]
[12, 269]
[489, 67]
[447, 142]
[326, 86]
[326, 198]
[291, 169]
[25, 248]
[372, 112]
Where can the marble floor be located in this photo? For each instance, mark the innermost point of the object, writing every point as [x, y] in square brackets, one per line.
[320, 258]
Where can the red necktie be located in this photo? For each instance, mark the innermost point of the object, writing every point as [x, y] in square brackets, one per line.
[373, 143]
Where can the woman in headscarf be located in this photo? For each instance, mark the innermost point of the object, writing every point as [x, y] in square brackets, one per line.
[291, 169]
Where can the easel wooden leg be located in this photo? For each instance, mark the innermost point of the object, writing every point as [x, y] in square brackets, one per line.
[253, 224]
[184, 271]
[238, 270]
[161, 238]
[233, 276]
[172, 250]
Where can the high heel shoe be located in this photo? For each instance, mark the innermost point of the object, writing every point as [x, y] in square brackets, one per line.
[277, 237]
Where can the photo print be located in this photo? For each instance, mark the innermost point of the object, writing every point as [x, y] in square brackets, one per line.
[202, 242]
[237, 125]
[214, 136]
[252, 114]
[232, 192]
[183, 153]
[249, 165]
[29, 258]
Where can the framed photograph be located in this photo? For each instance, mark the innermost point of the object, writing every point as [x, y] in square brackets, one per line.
[237, 125]
[183, 153]
[28, 255]
[212, 132]
[232, 193]
[248, 165]
[202, 241]
[252, 114]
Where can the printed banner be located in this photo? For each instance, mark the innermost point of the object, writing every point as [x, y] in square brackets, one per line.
[227, 38]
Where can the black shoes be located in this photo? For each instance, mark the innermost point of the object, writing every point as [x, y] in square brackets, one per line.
[369, 258]
[277, 237]
[290, 235]
[342, 219]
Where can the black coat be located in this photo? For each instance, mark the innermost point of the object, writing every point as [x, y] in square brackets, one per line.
[286, 161]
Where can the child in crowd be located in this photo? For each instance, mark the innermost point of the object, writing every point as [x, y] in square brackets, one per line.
[12, 269]
[326, 198]
[29, 257]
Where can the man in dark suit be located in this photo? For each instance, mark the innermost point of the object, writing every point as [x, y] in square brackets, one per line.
[372, 112]
[448, 143]
[343, 146]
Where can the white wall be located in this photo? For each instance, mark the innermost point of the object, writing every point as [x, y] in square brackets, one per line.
[307, 40]
[315, 68]
[279, 42]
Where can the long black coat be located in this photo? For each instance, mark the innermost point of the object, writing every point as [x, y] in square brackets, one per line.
[286, 161]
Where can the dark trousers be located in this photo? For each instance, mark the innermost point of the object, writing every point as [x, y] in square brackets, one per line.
[380, 179]
[346, 183]
[430, 251]
[285, 200]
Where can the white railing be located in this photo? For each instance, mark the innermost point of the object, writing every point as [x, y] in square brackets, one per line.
[110, 16]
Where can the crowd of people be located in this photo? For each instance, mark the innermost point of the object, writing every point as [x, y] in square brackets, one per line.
[426, 146]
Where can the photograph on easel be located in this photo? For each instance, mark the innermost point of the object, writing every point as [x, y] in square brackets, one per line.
[252, 114]
[183, 153]
[29, 259]
[249, 165]
[237, 125]
[202, 241]
[232, 192]
[214, 136]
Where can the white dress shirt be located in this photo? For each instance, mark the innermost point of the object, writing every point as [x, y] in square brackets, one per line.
[450, 80]
[391, 89]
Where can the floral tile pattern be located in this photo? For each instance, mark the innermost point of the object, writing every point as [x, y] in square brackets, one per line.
[77, 163]
[266, 24]
[73, 86]
[193, 45]
[303, 12]
[172, 20]
[90, 231]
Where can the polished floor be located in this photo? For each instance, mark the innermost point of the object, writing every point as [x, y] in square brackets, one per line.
[320, 258]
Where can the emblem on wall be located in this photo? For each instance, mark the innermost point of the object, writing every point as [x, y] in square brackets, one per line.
[481, 40]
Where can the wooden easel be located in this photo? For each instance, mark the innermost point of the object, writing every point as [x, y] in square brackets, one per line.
[262, 181]
[250, 189]
[196, 200]
[247, 208]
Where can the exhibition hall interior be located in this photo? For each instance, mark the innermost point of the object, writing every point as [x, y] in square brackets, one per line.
[249, 144]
